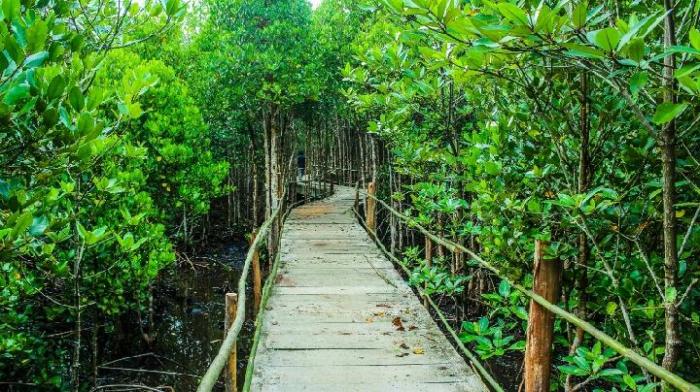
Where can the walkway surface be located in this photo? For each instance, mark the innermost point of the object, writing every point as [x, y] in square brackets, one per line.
[341, 318]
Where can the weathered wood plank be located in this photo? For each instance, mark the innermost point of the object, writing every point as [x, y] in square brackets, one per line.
[462, 386]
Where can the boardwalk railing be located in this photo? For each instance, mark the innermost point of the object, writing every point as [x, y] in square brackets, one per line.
[217, 366]
[485, 375]
[228, 346]
[641, 361]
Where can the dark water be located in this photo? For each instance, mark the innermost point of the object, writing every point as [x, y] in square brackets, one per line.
[188, 318]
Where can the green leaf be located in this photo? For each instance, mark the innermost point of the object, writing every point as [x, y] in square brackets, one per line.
[492, 168]
[635, 50]
[576, 50]
[686, 70]
[639, 30]
[573, 370]
[483, 325]
[520, 312]
[85, 123]
[513, 13]
[11, 9]
[671, 294]
[534, 206]
[36, 36]
[91, 237]
[580, 14]
[518, 346]
[16, 94]
[504, 288]
[39, 225]
[666, 112]
[56, 87]
[610, 308]
[76, 99]
[638, 81]
[36, 60]
[606, 39]
[694, 36]
[22, 224]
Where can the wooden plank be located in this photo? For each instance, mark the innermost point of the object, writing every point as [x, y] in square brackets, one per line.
[462, 386]
[351, 357]
[301, 290]
[361, 374]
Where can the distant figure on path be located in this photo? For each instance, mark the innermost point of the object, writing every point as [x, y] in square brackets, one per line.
[301, 163]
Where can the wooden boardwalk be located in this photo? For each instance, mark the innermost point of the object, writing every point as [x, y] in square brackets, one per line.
[340, 318]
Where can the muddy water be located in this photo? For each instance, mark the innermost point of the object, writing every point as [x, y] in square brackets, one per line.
[189, 314]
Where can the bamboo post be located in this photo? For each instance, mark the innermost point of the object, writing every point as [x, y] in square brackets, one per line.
[232, 366]
[257, 275]
[540, 326]
[370, 213]
[428, 263]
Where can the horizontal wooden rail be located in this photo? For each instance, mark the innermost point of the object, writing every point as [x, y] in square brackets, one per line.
[485, 375]
[608, 340]
[216, 367]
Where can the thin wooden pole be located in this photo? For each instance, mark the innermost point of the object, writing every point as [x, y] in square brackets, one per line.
[370, 213]
[428, 263]
[540, 326]
[232, 367]
[257, 275]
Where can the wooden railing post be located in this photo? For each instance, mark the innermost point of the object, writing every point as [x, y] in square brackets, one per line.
[257, 275]
[371, 207]
[357, 197]
[428, 263]
[232, 368]
[540, 326]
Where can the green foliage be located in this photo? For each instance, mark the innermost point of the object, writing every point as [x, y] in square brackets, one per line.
[594, 364]
[179, 163]
[433, 279]
[489, 339]
[89, 135]
[480, 104]
[117, 130]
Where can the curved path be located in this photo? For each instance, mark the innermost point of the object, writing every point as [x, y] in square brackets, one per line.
[340, 318]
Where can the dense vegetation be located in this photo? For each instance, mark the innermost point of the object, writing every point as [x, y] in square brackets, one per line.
[128, 127]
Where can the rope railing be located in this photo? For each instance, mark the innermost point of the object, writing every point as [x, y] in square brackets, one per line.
[217, 365]
[641, 361]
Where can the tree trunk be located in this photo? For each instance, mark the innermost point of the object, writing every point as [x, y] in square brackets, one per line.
[584, 180]
[540, 326]
[668, 140]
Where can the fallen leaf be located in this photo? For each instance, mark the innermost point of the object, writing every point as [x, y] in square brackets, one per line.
[398, 324]
[402, 355]
[404, 346]
[418, 350]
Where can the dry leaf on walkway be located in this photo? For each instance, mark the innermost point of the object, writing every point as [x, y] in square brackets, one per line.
[398, 324]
